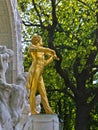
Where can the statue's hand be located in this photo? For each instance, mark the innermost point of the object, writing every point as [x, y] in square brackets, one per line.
[55, 57]
[53, 52]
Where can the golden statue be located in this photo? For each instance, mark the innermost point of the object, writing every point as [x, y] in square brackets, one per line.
[35, 80]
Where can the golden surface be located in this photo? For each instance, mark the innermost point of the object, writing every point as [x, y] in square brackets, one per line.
[35, 80]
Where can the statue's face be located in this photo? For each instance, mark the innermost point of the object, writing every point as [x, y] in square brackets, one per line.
[3, 49]
[41, 43]
[38, 99]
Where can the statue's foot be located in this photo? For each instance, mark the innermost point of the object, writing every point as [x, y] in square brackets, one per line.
[34, 113]
[51, 112]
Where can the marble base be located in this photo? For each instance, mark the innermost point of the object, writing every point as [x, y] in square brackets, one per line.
[42, 122]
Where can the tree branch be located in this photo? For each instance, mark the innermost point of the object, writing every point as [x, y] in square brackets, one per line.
[38, 14]
[64, 75]
[58, 2]
[62, 47]
[27, 23]
[86, 5]
[43, 11]
[94, 100]
[54, 18]
[61, 91]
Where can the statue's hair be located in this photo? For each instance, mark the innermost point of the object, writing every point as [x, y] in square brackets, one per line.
[36, 39]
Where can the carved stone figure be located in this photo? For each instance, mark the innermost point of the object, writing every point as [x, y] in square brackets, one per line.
[5, 117]
[5, 89]
[17, 98]
[12, 101]
[5, 56]
[12, 96]
[38, 101]
[18, 102]
[35, 80]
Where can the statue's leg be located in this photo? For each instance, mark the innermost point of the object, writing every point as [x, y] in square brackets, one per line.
[33, 89]
[32, 100]
[44, 99]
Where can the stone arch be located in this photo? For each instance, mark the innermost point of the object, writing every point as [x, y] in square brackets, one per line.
[10, 35]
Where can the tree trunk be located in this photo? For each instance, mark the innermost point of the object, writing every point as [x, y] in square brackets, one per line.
[82, 117]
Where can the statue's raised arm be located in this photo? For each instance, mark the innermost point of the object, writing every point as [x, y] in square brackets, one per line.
[35, 48]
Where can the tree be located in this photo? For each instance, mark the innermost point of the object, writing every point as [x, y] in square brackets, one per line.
[71, 29]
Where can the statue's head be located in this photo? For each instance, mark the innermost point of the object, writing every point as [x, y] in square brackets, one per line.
[37, 40]
[3, 49]
[38, 99]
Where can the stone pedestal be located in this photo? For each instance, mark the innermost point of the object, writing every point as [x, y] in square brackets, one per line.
[42, 122]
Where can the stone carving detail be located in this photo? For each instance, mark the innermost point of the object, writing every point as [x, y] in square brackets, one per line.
[5, 56]
[13, 101]
[5, 116]
[38, 101]
[10, 36]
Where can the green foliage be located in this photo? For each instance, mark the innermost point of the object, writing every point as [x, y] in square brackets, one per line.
[94, 118]
[74, 39]
[27, 60]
